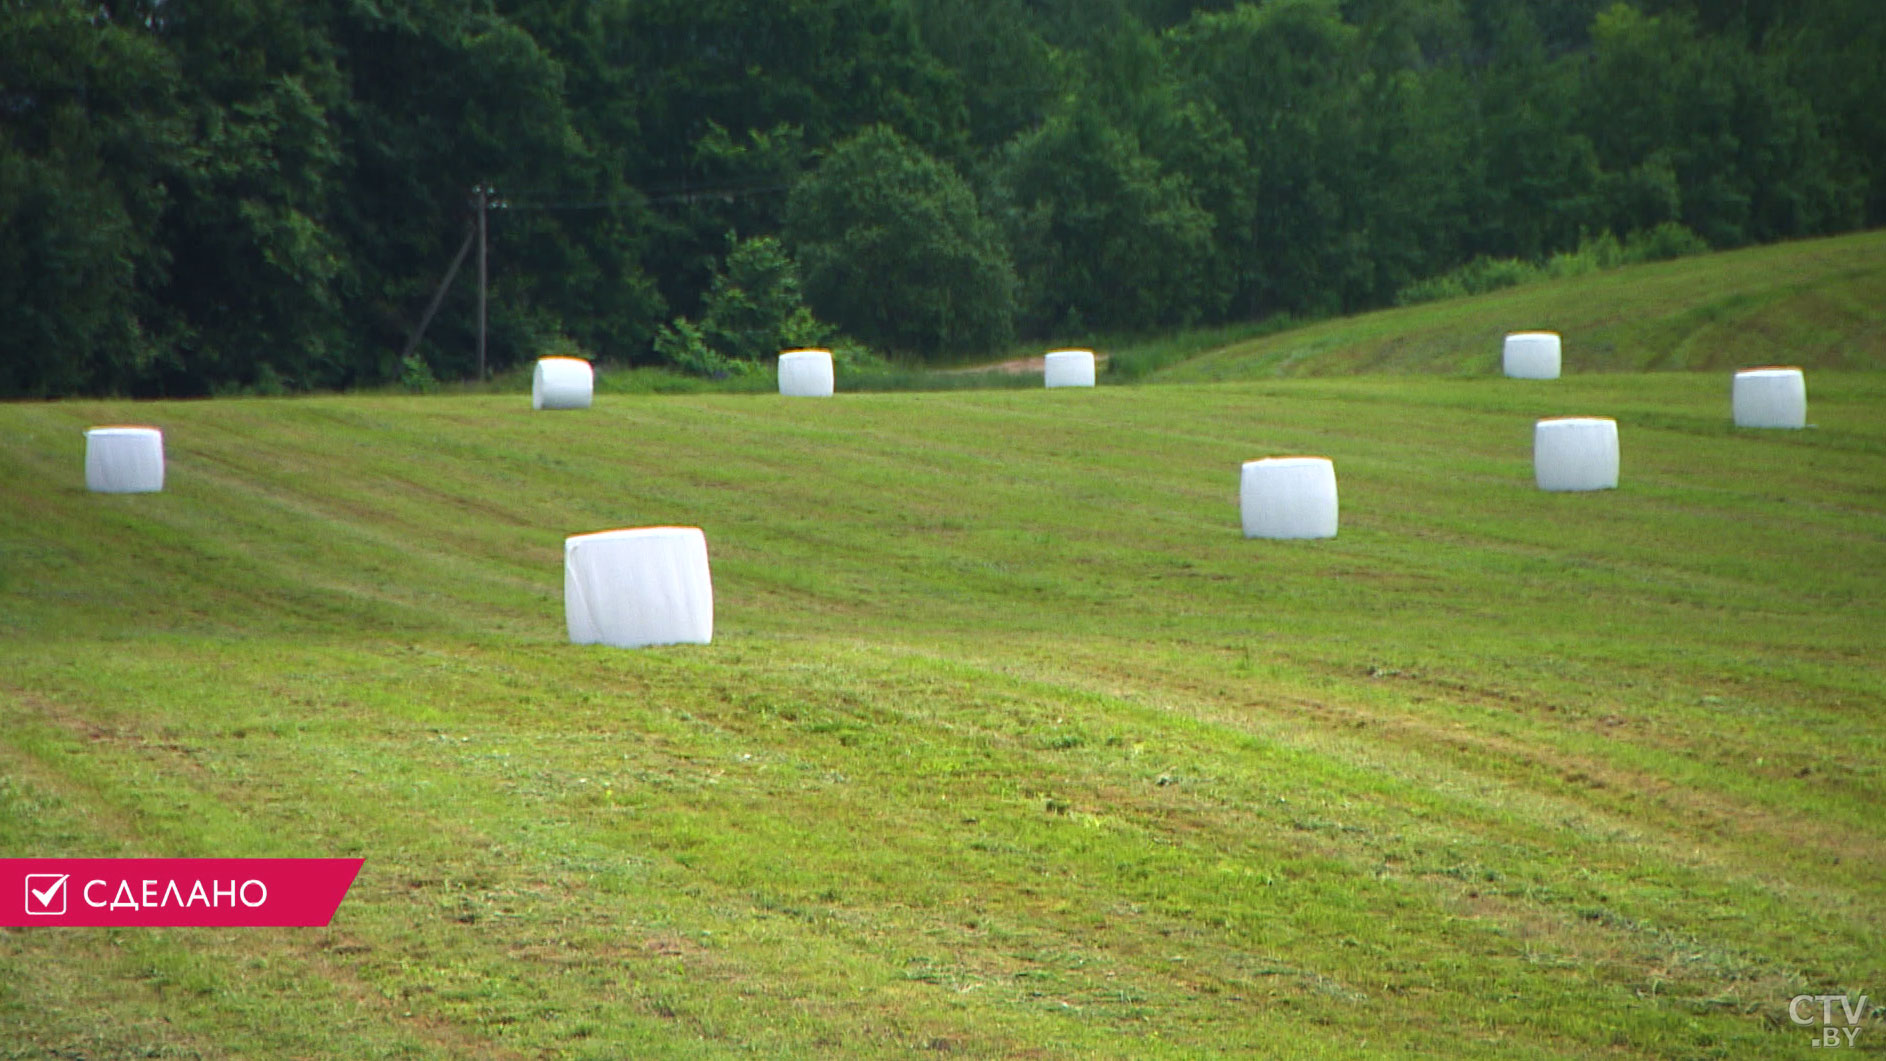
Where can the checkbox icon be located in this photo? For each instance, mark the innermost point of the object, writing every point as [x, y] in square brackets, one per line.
[45, 894]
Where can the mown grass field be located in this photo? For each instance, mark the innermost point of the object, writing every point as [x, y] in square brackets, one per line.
[1815, 302]
[1008, 743]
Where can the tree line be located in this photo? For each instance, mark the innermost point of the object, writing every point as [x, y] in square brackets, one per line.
[209, 196]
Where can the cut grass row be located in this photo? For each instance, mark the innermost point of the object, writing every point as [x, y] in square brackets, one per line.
[1815, 303]
[1007, 742]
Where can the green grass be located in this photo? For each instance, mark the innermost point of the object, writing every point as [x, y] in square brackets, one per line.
[1818, 303]
[615, 379]
[1008, 743]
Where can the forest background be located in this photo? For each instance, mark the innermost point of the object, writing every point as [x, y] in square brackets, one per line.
[260, 196]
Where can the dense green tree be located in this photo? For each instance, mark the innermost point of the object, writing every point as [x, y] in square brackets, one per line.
[1164, 14]
[1560, 27]
[754, 309]
[1285, 77]
[1709, 121]
[1830, 51]
[90, 129]
[1006, 74]
[1419, 180]
[250, 297]
[739, 183]
[203, 195]
[708, 107]
[1537, 173]
[1101, 236]
[897, 252]
[443, 97]
[1076, 26]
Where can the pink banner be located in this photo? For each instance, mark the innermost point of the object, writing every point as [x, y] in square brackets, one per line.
[154, 892]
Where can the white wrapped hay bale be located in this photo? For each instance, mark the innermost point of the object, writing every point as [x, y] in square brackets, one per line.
[1575, 453]
[805, 373]
[636, 587]
[1288, 497]
[124, 460]
[1068, 368]
[1775, 396]
[562, 383]
[1531, 355]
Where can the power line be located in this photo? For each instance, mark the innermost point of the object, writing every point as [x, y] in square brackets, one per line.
[727, 193]
[484, 198]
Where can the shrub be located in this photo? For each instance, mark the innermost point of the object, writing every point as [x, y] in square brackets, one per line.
[1662, 243]
[1593, 253]
[753, 310]
[416, 376]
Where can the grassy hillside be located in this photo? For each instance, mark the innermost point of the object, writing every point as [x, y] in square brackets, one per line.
[1817, 303]
[1008, 744]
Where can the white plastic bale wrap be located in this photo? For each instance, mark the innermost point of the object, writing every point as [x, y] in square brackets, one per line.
[1775, 396]
[124, 460]
[1288, 497]
[1575, 453]
[637, 587]
[805, 373]
[562, 383]
[1531, 355]
[1068, 368]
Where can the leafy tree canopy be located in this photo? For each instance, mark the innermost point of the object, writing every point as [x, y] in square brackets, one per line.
[897, 251]
[201, 196]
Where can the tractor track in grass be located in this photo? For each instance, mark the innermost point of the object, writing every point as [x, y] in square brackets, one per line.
[1689, 820]
[109, 830]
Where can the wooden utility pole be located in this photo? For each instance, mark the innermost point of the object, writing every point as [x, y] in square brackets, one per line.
[481, 197]
[412, 341]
